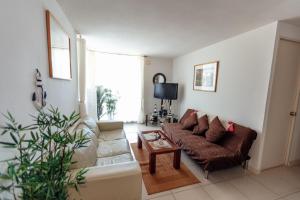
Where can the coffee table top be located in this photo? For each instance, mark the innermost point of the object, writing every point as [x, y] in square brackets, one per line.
[156, 141]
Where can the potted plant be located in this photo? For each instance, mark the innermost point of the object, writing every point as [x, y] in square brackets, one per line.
[105, 98]
[111, 101]
[41, 169]
[101, 94]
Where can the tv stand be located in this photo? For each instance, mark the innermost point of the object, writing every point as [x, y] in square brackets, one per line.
[155, 119]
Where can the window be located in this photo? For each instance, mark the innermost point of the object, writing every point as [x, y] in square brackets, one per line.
[124, 76]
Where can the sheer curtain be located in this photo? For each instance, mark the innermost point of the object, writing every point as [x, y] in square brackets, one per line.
[124, 75]
[81, 57]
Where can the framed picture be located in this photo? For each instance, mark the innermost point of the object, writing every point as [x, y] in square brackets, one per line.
[59, 54]
[205, 76]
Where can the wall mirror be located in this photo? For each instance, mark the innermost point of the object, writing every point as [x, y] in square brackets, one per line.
[159, 78]
[59, 54]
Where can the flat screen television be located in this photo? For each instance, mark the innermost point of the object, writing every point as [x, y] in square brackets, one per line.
[166, 91]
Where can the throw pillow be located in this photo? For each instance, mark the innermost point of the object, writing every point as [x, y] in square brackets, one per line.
[190, 121]
[92, 124]
[86, 156]
[186, 115]
[216, 131]
[202, 126]
[230, 127]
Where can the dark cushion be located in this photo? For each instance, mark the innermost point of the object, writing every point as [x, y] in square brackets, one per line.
[175, 132]
[190, 121]
[170, 128]
[216, 131]
[186, 115]
[202, 126]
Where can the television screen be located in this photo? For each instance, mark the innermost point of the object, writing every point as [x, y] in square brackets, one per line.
[166, 91]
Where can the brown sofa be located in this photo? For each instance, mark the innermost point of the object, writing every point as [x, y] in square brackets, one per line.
[231, 150]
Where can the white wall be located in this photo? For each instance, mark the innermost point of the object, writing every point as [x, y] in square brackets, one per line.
[23, 47]
[153, 66]
[244, 72]
[286, 31]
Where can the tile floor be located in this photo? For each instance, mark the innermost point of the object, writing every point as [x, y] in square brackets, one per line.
[280, 183]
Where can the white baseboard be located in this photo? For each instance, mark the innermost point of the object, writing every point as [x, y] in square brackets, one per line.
[254, 170]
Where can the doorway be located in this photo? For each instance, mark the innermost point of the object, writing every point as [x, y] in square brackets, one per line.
[293, 151]
[281, 135]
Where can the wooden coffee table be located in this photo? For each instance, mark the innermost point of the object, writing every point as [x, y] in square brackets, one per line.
[154, 150]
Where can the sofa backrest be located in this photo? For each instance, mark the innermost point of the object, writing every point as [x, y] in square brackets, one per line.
[239, 141]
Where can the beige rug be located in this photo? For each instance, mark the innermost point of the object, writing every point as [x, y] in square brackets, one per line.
[166, 177]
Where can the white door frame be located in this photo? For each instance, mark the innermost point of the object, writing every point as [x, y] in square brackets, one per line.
[295, 109]
[291, 132]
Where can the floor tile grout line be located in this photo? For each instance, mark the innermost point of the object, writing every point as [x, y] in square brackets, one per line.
[163, 195]
[287, 195]
[238, 190]
[208, 194]
[196, 185]
[173, 193]
[266, 187]
[173, 196]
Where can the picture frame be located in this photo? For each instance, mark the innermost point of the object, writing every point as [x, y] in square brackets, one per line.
[206, 76]
[59, 49]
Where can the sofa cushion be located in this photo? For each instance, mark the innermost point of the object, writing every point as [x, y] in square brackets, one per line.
[177, 136]
[92, 124]
[113, 148]
[171, 127]
[240, 141]
[202, 126]
[72, 129]
[190, 121]
[88, 132]
[209, 155]
[127, 157]
[112, 135]
[216, 131]
[174, 131]
[186, 115]
[85, 156]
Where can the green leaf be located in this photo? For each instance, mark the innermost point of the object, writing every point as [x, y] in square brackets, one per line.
[4, 131]
[7, 143]
[10, 159]
[14, 138]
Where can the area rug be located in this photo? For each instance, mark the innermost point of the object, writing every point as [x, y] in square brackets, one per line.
[166, 177]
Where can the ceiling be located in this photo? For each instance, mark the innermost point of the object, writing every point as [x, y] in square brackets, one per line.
[169, 28]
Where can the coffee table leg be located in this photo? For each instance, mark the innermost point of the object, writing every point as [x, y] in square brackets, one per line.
[152, 163]
[139, 142]
[176, 160]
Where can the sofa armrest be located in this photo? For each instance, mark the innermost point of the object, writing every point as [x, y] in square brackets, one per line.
[121, 181]
[110, 125]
